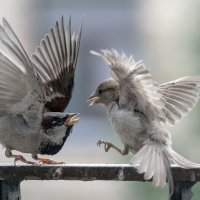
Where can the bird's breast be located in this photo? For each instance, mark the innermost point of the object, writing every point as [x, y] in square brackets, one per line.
[54, 143]
[128, 126]
[50, 148]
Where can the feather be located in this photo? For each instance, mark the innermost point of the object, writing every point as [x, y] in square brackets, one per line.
[180, 96]
[153, 160]
[169, 176]
[181, 161]
[151, 168]
[151, 163]
[15, 68]
[55, 62]
[136, 82]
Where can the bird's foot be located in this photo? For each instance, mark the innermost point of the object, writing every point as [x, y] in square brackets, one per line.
[48, 161]
[22, 159]
[107, 145]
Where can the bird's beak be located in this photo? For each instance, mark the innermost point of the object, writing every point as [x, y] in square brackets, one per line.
[94, 99]
[71, 120]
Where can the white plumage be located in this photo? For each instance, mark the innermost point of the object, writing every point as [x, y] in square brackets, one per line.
[138, 107]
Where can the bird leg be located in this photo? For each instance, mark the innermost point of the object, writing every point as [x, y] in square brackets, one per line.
[46, 160]
[108, 145]
[9, 154]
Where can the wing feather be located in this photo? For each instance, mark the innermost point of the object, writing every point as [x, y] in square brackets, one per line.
[55, 61]
[19, 85]
[180, 96]
[25, 85]
[137, 87]
[168, 102]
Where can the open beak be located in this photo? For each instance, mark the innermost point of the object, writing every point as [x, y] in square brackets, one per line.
[94, 99]
[71, 120]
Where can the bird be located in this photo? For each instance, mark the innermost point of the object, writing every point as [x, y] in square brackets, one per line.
[35, 90]
[139, 108]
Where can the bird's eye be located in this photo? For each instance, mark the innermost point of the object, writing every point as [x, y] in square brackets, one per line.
[60, 119]
[100, 91]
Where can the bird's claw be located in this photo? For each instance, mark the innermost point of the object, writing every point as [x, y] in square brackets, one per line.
[48, 161]
[22, 159]
[107, 145]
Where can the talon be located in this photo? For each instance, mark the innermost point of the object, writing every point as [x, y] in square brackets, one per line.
[99, 143]
[48, 161]
[107, 145]
[22, 159]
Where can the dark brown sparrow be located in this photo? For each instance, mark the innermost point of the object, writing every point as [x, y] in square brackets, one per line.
[138, 108]
[35, 92]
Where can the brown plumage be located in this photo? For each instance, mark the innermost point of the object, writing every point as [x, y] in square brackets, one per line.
[34, 92]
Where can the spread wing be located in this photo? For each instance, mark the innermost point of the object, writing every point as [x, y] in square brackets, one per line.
[180, 96]
[55, 62]
[19, 86]
[137, 88]
[167, 102]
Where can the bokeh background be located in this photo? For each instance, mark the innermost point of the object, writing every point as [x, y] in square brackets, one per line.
[165, 34]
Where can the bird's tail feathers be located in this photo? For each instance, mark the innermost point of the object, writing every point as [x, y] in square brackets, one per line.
[153, 160]
[180, 160]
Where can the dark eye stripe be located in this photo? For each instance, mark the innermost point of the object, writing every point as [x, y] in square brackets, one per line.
[100, 91]
[107, 89]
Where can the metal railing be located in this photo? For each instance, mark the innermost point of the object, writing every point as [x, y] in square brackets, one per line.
[12, 175]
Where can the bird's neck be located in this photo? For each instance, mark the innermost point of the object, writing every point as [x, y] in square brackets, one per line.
[111, 106]
[50, 146]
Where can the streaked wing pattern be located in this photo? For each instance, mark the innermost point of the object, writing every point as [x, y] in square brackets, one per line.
[136, 82]
[180, 96]
[19, 86]
[55, 62]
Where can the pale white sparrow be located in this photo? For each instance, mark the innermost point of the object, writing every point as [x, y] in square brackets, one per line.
[138, 107]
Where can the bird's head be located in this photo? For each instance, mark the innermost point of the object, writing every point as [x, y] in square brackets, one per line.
[56, 119]
[57, 127]
[106, 93]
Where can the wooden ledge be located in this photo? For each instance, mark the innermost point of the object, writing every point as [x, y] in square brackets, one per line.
[87, 172]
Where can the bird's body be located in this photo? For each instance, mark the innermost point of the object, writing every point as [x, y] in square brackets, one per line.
[34, 92]
[28, 139]
[128, 125]
[138, 108]
[134, 128]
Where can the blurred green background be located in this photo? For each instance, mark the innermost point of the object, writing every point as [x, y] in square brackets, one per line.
[165, 34]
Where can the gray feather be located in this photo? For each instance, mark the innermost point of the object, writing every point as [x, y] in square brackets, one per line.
[180, 96]
[55, 60]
